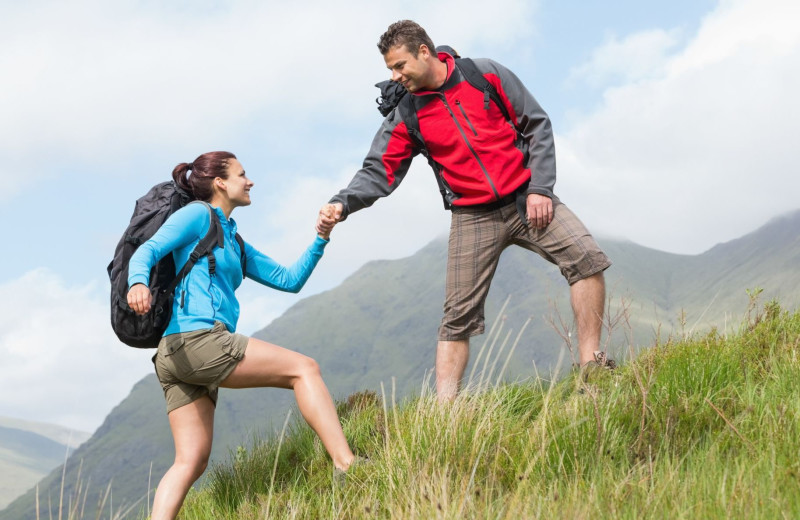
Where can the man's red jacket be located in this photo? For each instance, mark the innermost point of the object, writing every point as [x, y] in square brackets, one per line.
[480, 156]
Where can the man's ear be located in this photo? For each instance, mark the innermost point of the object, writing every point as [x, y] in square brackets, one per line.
[424, 51]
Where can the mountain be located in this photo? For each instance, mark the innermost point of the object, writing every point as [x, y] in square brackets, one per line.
[60, 434]
[29, 451]
[377, 331]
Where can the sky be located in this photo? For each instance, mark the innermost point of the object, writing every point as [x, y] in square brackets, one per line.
[674, 125]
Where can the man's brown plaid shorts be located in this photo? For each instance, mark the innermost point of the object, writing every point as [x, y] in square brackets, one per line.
[478, 236]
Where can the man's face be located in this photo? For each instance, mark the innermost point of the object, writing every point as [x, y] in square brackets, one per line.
[413, 73]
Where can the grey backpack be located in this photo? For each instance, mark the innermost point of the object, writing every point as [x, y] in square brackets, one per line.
[150, 212]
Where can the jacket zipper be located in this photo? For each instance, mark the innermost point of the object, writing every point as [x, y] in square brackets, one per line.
[469, 145]
[466, 117]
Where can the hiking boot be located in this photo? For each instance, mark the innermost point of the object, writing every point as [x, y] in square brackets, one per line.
[599, 365]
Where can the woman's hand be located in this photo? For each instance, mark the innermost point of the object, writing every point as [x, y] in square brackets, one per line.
[139, 298]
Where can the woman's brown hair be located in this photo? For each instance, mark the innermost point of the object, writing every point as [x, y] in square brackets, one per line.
[196, 178]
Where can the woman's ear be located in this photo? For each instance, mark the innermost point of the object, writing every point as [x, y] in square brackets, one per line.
[220, 182]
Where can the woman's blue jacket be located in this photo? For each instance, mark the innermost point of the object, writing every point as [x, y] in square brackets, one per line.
[201, 298]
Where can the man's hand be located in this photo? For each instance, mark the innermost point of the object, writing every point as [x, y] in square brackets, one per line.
[139, 298]
[328, 216]
[539, 210]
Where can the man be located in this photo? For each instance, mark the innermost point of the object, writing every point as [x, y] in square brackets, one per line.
[496, 177]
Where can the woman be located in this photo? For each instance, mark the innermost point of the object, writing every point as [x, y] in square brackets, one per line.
[200, 350]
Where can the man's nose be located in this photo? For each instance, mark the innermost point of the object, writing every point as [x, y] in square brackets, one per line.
[396, 75]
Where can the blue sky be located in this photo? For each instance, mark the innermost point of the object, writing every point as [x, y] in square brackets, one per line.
[675, 128]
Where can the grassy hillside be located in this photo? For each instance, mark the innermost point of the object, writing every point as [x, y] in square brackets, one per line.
[703, 428]
[706, 427]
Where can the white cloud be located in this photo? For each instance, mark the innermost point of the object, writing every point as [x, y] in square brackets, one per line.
[98, 88]
[703, 150]
[61, 361]
[638, 56]
[92, 85]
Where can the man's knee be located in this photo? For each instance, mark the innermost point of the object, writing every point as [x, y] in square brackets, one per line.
[461, 327]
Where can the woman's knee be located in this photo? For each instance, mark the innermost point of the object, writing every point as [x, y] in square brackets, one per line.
[308, 367]
[195, 466]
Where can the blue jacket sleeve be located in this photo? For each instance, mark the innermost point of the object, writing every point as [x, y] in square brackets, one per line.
[186, 225]
[267, 271]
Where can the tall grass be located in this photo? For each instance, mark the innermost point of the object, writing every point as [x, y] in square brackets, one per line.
[698, 426]
[75, 505]
[706, 426]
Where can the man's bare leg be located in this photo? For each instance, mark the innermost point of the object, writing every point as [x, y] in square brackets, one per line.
[451, 361]
[588, 302]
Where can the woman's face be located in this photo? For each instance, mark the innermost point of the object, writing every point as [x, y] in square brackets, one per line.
[237, 184]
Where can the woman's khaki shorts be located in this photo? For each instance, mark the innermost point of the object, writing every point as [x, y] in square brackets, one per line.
[190, 365]
[477, 238]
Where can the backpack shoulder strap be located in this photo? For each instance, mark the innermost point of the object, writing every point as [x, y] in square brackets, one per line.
[476, 79]
[408, 113]
[214, 237]
[240, 241]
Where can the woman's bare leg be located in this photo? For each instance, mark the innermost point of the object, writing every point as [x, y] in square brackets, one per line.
[192, 431]
[265, 364]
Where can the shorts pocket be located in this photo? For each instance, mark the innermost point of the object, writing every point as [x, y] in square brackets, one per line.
[175, 356]
[230, 347]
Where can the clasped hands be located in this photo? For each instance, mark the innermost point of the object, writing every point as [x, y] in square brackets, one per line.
[329, 215]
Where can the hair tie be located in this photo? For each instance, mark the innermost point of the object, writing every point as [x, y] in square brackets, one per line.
[190, 166]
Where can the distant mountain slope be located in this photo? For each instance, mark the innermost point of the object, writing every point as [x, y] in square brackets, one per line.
[54, 432]
[28, 452]
[768, 259]
[379, 327]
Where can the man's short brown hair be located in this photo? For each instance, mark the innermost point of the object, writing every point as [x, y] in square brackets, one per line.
[408, 33]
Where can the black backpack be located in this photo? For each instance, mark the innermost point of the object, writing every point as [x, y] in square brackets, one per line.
[150, 212]
[393, 95]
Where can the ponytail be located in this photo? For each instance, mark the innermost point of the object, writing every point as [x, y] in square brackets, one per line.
[179, 175]
[195, 178]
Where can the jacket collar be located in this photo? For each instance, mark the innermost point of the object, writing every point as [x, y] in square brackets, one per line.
[451, 65]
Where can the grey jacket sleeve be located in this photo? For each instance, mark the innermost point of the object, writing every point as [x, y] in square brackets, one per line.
[532, 122]
[384, 168]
